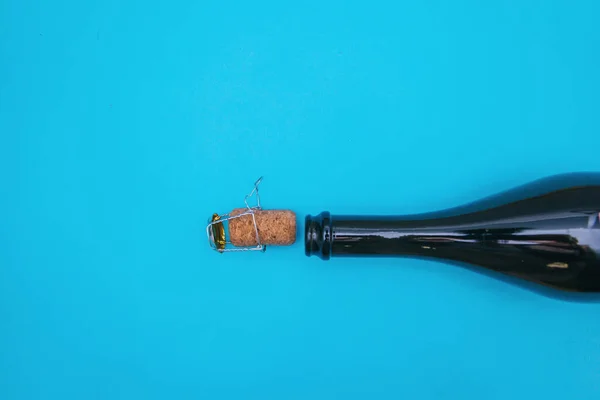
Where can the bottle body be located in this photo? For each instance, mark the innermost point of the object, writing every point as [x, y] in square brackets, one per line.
[546, 232]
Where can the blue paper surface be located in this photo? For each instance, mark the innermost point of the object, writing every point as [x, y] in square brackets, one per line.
[125, 124]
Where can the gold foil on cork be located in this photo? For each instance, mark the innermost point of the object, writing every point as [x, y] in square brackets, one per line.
[218, 233]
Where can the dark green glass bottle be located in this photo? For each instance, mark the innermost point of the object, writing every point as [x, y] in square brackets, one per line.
[547, 232]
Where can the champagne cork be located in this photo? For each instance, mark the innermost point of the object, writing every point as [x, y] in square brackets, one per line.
[275, 227]
[237, 230]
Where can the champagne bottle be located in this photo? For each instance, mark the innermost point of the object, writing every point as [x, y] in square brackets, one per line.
[546, 232]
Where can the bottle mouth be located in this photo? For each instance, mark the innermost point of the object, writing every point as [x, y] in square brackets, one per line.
[317, 235]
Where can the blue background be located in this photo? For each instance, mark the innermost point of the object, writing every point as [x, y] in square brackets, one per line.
[125, 125]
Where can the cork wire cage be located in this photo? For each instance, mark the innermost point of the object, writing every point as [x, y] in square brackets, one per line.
[217, 229]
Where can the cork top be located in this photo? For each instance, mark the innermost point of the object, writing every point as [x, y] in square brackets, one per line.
[251, 227]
